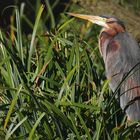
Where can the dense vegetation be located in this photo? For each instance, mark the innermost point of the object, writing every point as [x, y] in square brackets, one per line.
[52, 81]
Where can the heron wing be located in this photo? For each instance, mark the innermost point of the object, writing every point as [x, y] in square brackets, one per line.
[123, 53]
[130, 94]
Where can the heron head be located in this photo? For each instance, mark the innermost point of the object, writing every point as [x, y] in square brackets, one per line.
[104, 21]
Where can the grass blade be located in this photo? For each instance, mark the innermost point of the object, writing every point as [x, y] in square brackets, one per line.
[35, 126]
[33, 36]
[15, 128]
[12, 106]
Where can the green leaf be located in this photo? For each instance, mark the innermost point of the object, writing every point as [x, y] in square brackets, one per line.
[35, 126]
[12, 106]
[31, 49]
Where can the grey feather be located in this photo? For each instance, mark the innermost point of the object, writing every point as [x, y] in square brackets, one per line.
[118, 63]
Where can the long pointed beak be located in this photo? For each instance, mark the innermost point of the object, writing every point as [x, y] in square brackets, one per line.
[94, 19]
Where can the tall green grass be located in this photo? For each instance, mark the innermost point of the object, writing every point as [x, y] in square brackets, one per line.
[53, 84]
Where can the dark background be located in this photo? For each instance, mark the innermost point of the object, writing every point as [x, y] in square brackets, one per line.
[6, 10]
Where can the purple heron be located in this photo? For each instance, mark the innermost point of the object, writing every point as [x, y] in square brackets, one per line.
[121, 55]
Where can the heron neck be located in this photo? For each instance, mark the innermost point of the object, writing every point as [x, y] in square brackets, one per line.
[106, 36]
[104, 40]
